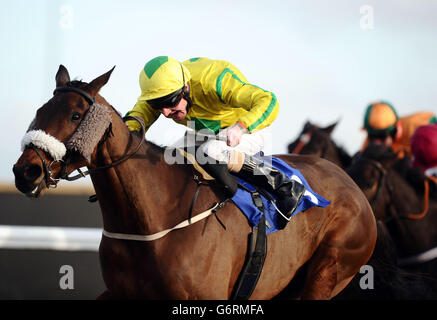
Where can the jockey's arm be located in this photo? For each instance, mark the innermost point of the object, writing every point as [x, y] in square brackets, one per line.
[145, 112]
[262, 106]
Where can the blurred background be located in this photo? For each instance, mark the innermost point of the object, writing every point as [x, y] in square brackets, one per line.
[324, 60]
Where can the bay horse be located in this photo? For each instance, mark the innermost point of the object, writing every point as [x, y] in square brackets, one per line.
[317, 141]
[140, 194]
[405, 200]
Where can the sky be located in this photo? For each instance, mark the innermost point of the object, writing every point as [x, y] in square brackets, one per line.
[324, 60]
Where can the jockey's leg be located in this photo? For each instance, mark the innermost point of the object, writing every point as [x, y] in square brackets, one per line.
[287, 191]
[241, 161]
[220, 172]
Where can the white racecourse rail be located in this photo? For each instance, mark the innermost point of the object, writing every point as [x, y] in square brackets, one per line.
[88, 239]
[50, 238]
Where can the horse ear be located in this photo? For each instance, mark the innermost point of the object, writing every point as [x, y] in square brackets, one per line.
[94, 86]
[330, 128]
[62, 76]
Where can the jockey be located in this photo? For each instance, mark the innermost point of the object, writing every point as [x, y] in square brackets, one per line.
[383, 126]
[424, 149]
[215, 95]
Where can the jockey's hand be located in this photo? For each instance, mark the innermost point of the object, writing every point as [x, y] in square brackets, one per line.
[233, 135]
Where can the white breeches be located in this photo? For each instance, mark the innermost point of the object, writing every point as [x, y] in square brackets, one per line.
[250, 144]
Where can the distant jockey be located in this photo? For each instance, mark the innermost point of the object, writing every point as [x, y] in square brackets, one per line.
[383, 126]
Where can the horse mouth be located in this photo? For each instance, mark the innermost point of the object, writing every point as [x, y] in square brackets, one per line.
[31, 191]
[35, 193]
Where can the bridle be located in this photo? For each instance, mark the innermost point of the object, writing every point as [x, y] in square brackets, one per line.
[383, 181]
[52, 182]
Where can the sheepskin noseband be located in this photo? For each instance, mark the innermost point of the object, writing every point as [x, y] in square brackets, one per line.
[45, 142]
[90, 130]
[83, 141]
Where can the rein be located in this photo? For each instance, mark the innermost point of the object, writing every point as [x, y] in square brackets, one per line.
[127, 156]
[383, 180]
[418, 216]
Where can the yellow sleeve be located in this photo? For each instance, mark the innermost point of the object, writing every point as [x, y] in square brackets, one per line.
[144, 111]
[262, 105]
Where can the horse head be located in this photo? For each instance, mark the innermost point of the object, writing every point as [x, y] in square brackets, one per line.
[315, 140]
[64, 133]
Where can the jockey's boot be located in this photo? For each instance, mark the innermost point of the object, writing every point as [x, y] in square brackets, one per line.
[287, 191]
[219, 171]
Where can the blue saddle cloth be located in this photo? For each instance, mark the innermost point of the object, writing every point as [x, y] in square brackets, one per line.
[243, 199]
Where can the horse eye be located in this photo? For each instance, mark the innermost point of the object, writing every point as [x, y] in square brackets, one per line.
[75, 116]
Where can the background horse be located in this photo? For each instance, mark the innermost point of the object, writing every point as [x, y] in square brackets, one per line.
[145, 195]
[390, 282]
[404, 199]
[317, 141]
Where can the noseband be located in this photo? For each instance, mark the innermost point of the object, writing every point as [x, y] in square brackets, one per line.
[52, 182]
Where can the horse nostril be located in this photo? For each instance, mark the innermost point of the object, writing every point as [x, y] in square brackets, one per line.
[32, 172]
[28, 172]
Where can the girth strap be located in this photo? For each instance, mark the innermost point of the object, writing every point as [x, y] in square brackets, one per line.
[158, 235]
[256, 255]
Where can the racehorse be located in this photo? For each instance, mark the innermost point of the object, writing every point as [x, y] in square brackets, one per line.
[140, 195]
[317, 141]
[405, 200]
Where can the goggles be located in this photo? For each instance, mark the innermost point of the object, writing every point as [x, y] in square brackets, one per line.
[171, 100]
[382, 134]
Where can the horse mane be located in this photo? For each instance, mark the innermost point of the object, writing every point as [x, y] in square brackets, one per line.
[344, 156]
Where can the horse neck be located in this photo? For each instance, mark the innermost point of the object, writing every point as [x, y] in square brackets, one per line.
[330, 153]
[135, 194]
[411, 200]
[336, 154]
[344, 157]
[406, 200]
